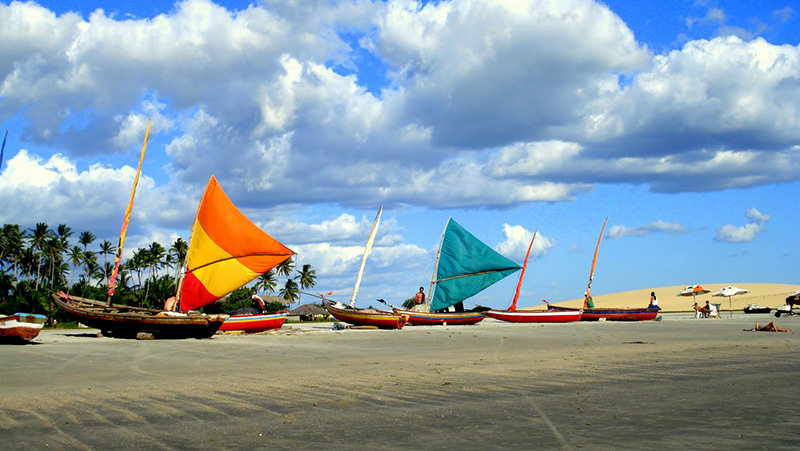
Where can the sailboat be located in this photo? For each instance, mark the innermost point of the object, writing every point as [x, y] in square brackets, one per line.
[366, 316]
[513, 315]
[591, 313]
[464, 267]
[225, 253]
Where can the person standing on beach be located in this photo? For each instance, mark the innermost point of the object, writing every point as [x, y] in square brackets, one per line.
[653, 301]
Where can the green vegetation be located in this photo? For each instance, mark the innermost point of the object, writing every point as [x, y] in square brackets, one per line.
[38, 261]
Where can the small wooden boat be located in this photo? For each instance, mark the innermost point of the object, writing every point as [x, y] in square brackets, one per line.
[20, 328]
[591, 313]
[535, 316]
[443, 318]
[512, 315]
[253, 323]
[123, 321]
[753, 308]
[366, 316]
[610, 314]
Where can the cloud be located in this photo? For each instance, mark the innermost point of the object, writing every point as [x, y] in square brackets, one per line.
[484, 104]
[516, 242]
[746, 233]
[784, 14]
[671, 228]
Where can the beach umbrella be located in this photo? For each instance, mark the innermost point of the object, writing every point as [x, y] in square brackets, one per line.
[728, 292]
[693, 291]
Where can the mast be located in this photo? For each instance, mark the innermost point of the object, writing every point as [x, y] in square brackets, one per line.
[594, 262]
[522, 274]
[112, 281]
[367, 248]
[179, 284]
[2, 149]
[429, 299]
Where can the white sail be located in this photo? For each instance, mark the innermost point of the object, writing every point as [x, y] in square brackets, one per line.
[370, 240]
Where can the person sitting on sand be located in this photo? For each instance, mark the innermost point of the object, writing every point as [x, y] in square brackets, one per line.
[419, 301]
[771, 327]
[700, 312]
[587, 300]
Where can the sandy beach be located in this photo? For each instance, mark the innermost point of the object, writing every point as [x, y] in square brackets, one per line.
[675, 383]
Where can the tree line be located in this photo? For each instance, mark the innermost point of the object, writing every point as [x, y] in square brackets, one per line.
[38, 261]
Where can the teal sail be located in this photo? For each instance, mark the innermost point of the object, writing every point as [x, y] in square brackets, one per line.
[465, 266]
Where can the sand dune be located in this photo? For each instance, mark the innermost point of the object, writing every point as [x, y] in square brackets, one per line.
[764, 294]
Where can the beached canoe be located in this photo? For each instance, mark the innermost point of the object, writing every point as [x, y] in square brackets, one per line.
[123, 321]
[367, 316]
[20, 327]
[611, 314]
[535, 316]
[253, 323]
[443, 318]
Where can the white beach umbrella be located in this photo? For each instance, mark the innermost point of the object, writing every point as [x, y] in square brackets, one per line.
[728, 292]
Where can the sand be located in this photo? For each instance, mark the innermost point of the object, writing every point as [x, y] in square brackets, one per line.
[764, 294]
[675, 383]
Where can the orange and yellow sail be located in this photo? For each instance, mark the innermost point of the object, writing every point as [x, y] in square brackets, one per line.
[226, 251]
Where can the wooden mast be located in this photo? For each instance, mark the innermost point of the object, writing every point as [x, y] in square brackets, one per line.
[429, 299]
[112, 281]
[522, 274]
[594, 262]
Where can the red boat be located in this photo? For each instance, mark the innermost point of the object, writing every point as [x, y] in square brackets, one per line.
[367, 317]
[535, 316]
[20, 327]
[253, 323]
[611, 314]
[443, 318]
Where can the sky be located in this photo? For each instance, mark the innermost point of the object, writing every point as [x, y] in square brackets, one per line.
[680, 122]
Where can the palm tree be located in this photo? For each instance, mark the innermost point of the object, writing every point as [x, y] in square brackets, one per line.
[75, 258]
[155, 258]
[285, 269]
[266, 282]
[41, 233]
[86, 238]
[177, 255]
[307, 277]
[107, 248]
[290, 291]
[89, 262]
[12, 245]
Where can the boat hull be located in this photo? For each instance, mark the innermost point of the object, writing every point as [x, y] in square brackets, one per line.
[122, 321]
[443, 318]
[253, 323]
[612, 314]
[535, 316]
[368, 317]
[20, 327]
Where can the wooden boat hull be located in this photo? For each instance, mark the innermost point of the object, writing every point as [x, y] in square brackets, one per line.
[535, 316]
[612, 314]
[368, 317]
[253, 323]
[122, 321]
[20, 328]
[445, 318]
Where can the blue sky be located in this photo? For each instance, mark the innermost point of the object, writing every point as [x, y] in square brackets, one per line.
[681, 122]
